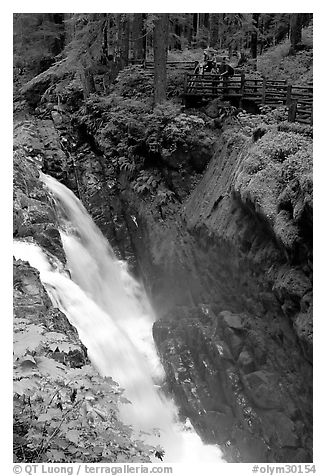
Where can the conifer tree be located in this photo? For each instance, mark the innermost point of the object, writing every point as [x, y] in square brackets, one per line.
[160, 38]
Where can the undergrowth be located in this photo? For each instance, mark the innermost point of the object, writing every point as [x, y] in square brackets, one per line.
[276, 63]
[140, 140]
[276, 177]
[64, 411]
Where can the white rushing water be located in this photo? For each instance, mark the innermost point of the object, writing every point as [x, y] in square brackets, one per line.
[114, 321]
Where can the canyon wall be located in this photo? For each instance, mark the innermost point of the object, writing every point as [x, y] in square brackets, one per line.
[228, 269]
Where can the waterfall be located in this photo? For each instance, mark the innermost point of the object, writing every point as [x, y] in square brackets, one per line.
[114, 320]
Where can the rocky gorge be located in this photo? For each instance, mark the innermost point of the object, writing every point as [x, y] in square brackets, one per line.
[227, 265]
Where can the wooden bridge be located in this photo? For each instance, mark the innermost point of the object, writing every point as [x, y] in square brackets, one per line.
[183, 65]
[240, 90]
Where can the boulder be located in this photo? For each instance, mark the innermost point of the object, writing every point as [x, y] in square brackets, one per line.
[246, 361]
[279, 428]
[261, 386]
[234, 341]
[219, 424]
[231, 320]
[303, 325]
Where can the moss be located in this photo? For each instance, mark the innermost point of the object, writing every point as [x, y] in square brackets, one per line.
[276, 177]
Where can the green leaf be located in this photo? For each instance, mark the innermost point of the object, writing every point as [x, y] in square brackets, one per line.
[50, 367]
[51, 414]
[44, 417]
[28, 360]
[65, 347]
[28, 340]
[25, 386]
[73, 436]
[98, 450]
[56, 455]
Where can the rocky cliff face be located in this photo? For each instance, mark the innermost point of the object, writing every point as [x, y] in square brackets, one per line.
[63, 410]
[234, 283]
[229, 272]
[34, 215]
[240, 367]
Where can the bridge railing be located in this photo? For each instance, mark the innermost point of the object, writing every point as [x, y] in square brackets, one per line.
[261, 91]
[186, 65]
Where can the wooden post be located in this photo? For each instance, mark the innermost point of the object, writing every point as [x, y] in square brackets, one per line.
[288, 94]
[185, 83]
[242, 87]
[292, 110]
[263, 91]
[312, 115]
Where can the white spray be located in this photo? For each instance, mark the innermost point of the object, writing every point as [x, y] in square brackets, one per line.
[114, 321]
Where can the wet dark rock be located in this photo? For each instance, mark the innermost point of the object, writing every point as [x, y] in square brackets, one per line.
[304, 329]
[235, 342]
[250, 449]
[239, 368]
[219, 424]
[33, 210]
[239, 357]
[33, 306]
[261, 386]
[231, 320]
[278, 427]
[246, 361]
[226, 400]
[29, 295]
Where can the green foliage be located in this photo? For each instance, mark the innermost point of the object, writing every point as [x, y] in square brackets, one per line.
[85, 47]
[37, 39]
[136, 83]
[165, 196]
[139, 141]
[303, 129]
[276, 64]
[180, 131]
[276, 177]
[277, 147]
[145, 182]
[63, 412]
[124, 164]
[71, 416]
[129, 131]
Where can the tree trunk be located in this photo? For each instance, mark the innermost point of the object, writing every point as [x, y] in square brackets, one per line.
[177, 38]
[195, 25]
[189, 28]
[105, 44]
[118, 46]
[125, 38]
[88, 82]
[137, 36]
[254, 35]
[213, 29]
[206, 20]
[160, 39]
[198, 26]
[296, 20]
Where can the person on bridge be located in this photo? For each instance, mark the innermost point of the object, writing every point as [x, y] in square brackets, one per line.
[209, 61]
[225, 70]
[210, 67]
[199, 68]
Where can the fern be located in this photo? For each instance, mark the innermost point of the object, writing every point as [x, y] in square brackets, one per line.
[63, 413]
[145, 182]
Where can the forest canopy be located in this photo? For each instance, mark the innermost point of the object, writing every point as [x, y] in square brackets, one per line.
[93, 42]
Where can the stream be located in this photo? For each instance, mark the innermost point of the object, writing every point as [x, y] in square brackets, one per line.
[114, 320]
